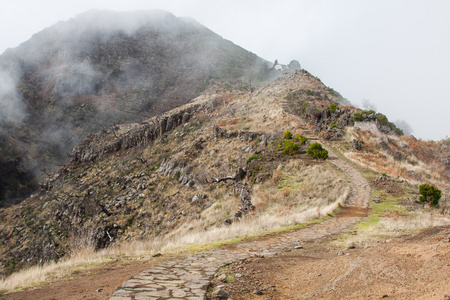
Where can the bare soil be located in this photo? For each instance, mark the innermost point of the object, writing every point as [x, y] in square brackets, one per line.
[93, 284]
[415, 267]
[410, 267]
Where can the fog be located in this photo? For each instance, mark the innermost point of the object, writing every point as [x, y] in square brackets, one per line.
[392, 53]
[11, 105]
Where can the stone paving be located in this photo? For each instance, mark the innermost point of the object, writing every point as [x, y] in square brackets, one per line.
[186, 278]
[190, 277]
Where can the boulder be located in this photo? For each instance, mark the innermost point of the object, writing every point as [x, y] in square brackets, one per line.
[356, 144]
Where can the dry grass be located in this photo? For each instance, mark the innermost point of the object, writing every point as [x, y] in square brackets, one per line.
[414, 222]
[393, 226]
[297, 187]
[284, 202]
[421, 161]
[252, 225]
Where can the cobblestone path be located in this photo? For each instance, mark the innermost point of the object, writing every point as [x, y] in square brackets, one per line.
[189, 278]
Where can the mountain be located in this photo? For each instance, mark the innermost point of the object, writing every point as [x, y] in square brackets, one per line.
[159, 129]
[99, 69]
[224, 157]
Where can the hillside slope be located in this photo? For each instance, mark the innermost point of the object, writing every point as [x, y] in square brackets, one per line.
[99, 69]
[194, 165]
[184, 176]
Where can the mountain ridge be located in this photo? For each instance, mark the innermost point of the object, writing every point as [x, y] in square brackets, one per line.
[98, 69]
[198, 167]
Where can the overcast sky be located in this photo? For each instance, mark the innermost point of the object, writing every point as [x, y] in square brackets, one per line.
[394, 53]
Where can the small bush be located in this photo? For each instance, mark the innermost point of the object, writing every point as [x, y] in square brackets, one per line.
[357, 117]
[309, 92]
[383, 120]
[300, 138]
[305, 106]
[290, 148]
[253, 157]
[279, 145]
[333, 107]
[317, 151]
[287, 135]
[429, 194]
[334, 126]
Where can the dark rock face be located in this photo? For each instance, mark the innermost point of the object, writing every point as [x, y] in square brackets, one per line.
[104, 68]
[243, 136]
[357, 144]
[309, 105]
[332, 134]
[15, 181]
[244, 192]
[99, 144]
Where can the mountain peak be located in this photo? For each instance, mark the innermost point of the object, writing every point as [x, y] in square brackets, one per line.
[130, 21]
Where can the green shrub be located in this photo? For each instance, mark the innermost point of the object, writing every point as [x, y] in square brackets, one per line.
[357, 117]
[287, 135]
[334, 126]
[383, 120]
[300, 138]
[317, 151]
[305, 106]
[252, 158]
[333, 107]
[309, 92]
[290, 148]
[334, 93]
[279, 145]
[429, 194]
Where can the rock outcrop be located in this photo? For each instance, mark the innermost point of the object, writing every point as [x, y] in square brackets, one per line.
[99, 144]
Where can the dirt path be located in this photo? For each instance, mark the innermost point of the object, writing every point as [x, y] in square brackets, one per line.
[414, 267]
[190, 277]
[410, 267]
[93, 283]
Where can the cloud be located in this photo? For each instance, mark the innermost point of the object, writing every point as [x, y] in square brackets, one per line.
[74, 79]
[392, 52]
[12, 108]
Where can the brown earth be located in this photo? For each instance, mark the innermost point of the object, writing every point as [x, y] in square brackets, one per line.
[410, 267]
[415, 267]
[93, 284]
